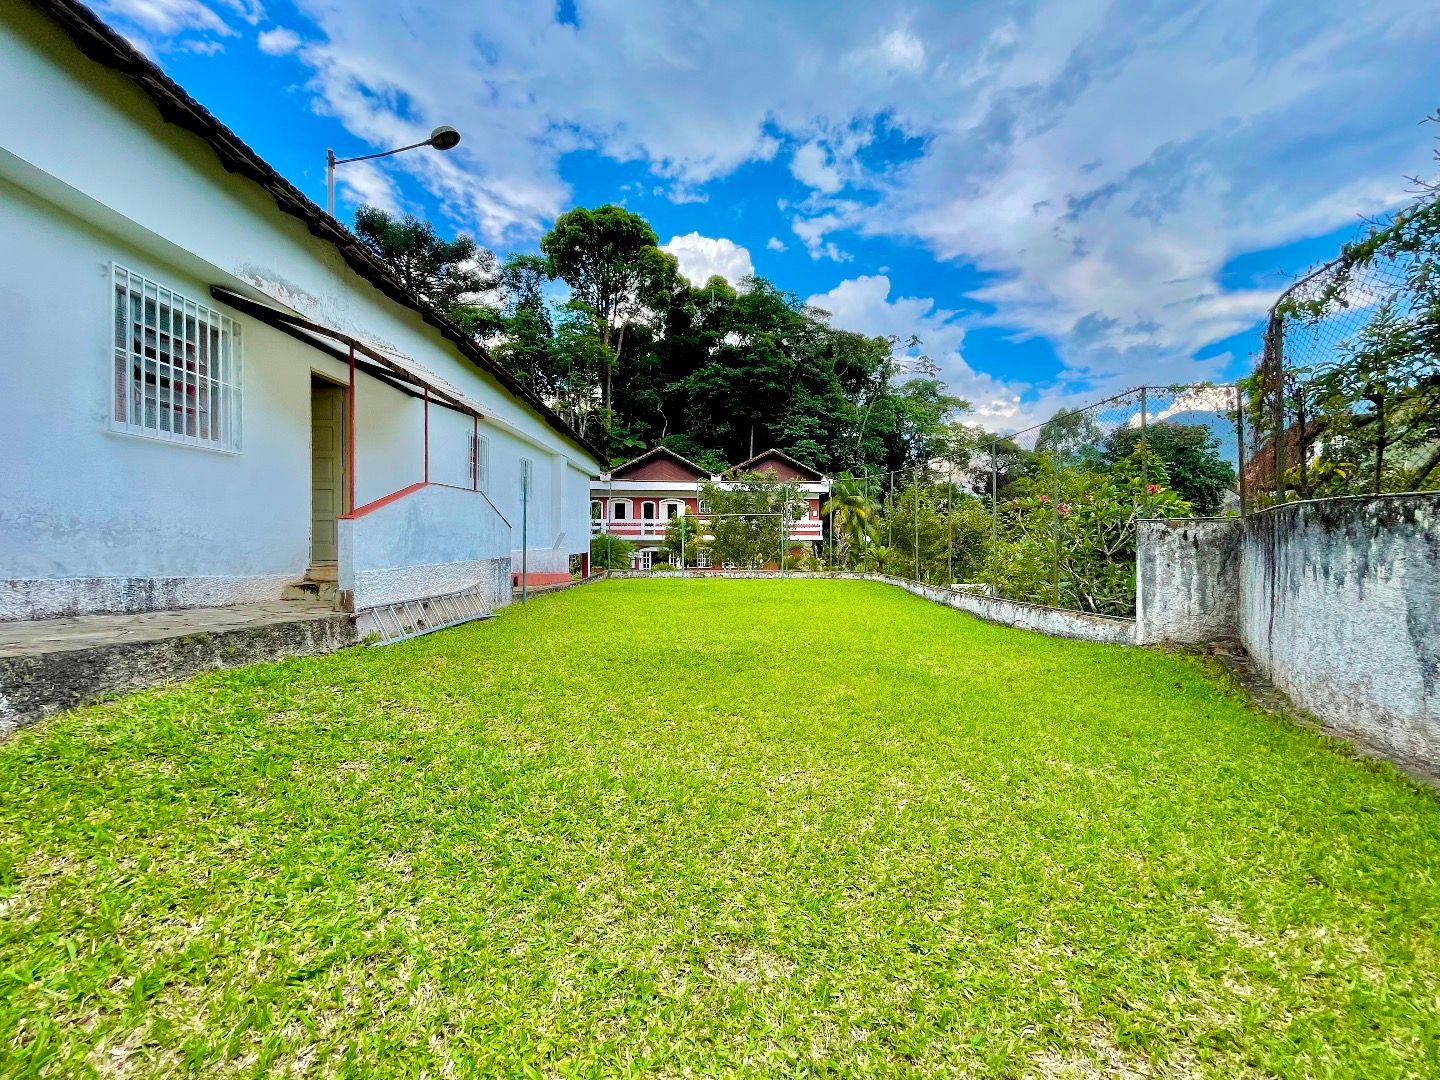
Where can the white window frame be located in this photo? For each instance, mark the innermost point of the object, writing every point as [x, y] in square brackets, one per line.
[680, 508]
[653, 510]
[702, 559]
[479, 461]
[644, 559]
[614, 503]
[195, 402]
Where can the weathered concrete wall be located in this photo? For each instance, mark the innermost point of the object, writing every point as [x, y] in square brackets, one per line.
[93, 516]
[432, 541]
[1187, 581]
[1340, 607]
[1057, 622]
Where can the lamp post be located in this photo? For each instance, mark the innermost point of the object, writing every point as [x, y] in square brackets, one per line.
[442, 138]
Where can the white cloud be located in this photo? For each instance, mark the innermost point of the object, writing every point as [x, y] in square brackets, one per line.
[167, 17]
[776, 244]
[811, 166]
[1100, 161]
[278, 41]
[863, 304]
[703, 257]
[363, 183]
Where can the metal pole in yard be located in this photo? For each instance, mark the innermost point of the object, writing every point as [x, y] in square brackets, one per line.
[949, 524]
[1145, 433]
[890, 515]
[994, 496]
[1055, 571]
[1240, 448]
[782, 540]
[915, 494]
[524, 531]
[610, 512]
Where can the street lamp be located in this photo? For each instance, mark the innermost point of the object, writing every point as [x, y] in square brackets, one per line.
[442, 138]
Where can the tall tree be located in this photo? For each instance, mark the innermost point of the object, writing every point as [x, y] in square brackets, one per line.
[453, 275]
[612, 262]
[1190, 454]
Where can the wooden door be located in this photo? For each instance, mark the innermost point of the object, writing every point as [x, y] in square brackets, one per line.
[327, 468]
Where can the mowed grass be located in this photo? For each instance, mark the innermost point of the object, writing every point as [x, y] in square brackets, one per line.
[707, 828]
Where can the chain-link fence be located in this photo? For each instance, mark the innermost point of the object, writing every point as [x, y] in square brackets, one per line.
[1048, 514]
[1346, 398]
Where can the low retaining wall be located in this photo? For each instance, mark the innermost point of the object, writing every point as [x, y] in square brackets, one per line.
[1340, 607]
[432, 541]
[1057, 622]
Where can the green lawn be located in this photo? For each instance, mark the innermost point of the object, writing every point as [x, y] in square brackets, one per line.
[698, 828]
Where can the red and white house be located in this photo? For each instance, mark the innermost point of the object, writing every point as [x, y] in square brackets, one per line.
[634, 501]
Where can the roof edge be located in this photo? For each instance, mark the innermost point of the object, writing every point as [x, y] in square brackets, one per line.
[103, 45]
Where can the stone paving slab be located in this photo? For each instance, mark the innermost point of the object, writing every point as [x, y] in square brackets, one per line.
[44, 636]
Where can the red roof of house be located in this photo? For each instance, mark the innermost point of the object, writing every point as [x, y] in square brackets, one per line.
[661, 463]
[785, 466]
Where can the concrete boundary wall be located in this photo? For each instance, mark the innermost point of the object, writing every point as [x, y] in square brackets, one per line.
[1057, 622]
[1187, 581]
[1340, 608]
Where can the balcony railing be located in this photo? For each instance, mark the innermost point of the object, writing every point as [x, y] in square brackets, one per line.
[634, 529]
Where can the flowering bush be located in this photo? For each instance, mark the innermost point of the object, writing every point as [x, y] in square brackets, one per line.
[1069, 539]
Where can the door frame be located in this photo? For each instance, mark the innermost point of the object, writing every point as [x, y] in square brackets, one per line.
[341, 449]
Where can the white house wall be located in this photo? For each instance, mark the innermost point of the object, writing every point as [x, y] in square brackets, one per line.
[89, 173]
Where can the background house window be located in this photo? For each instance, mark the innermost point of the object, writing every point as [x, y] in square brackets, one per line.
[480, 461]
[619, 510]
[647, 511]
[177, 366]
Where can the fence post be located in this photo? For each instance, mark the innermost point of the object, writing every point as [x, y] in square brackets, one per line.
[994, 497]
[949, 524]
[1145, 433]
[1274, 366]
[1055, 510]
[915, 497]
[1240, 487]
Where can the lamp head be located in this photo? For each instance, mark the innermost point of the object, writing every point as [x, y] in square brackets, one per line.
[444, 137]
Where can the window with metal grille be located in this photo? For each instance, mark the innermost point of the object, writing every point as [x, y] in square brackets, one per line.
[480, 462]
[177, 366]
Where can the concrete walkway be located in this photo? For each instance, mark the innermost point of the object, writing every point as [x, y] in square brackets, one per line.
[89, 631]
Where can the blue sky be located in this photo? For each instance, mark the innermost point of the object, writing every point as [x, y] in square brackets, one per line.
[1061, 198]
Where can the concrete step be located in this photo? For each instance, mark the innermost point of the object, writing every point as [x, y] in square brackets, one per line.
[324, 571]
[324, 591]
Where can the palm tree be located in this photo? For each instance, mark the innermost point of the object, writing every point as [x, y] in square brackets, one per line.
[853, 515]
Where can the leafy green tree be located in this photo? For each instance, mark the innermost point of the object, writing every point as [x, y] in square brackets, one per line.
[1071, 436]
[610, 553]
[939, 533]
[746, 515]
[612, 262]
[682, 543]
[450, 274]
[853, 515]
[1068, 539]
[1190, 454]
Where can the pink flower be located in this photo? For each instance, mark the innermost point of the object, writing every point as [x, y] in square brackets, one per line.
[1063, 509]
[1152, 489]
[1044, 498]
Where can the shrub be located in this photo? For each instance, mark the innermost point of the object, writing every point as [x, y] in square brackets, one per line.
[610, 553]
